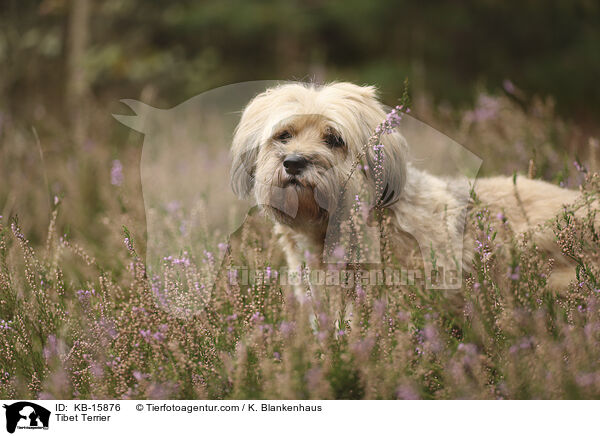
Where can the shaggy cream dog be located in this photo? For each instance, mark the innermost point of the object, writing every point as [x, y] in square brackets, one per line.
[296, 148]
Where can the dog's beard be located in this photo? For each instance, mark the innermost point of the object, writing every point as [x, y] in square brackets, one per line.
[298, 201]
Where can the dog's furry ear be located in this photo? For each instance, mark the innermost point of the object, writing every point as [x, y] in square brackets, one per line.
[387, 164]
[246, 143]
[243, 164]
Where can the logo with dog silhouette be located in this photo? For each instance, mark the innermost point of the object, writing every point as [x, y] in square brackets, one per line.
[26, 415]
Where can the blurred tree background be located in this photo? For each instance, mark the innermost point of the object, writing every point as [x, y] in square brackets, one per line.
[55, 52]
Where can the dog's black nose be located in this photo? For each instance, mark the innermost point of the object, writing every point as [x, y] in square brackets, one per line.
[294, 164]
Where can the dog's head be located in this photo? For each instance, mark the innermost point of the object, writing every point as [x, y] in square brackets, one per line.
[296, 144]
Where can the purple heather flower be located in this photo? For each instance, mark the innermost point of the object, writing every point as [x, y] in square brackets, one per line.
[406, 392]
[51, 347]
[392, 120]
[173, 206]
[158, 336]
[128, 244]
[430, 333]
[96, 370]
[579, 167]
[403, 316]
[339, 252]
[508, 86]
[146, 335]
[287, 327]
[487, 108]
[585, 379]
[116, 173]
[183, 260]
[379, 308]
[526, 343]
[360, 292]
[257, 317]
[468, 348]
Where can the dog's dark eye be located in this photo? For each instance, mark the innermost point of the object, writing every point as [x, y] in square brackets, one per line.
[283, 136]
[334, 141]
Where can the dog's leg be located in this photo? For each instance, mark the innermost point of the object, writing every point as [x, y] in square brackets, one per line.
[294, 260]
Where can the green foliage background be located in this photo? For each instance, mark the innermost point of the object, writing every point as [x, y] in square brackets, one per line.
[447, 49]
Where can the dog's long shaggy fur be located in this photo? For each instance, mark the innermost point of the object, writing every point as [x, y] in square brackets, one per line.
[328, 126]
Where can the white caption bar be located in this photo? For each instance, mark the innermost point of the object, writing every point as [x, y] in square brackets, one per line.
[265, 418]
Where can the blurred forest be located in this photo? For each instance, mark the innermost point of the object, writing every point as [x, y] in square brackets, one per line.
[93, 52]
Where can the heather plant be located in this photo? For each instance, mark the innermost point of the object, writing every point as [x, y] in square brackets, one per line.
[86, 320]
[511, 135]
